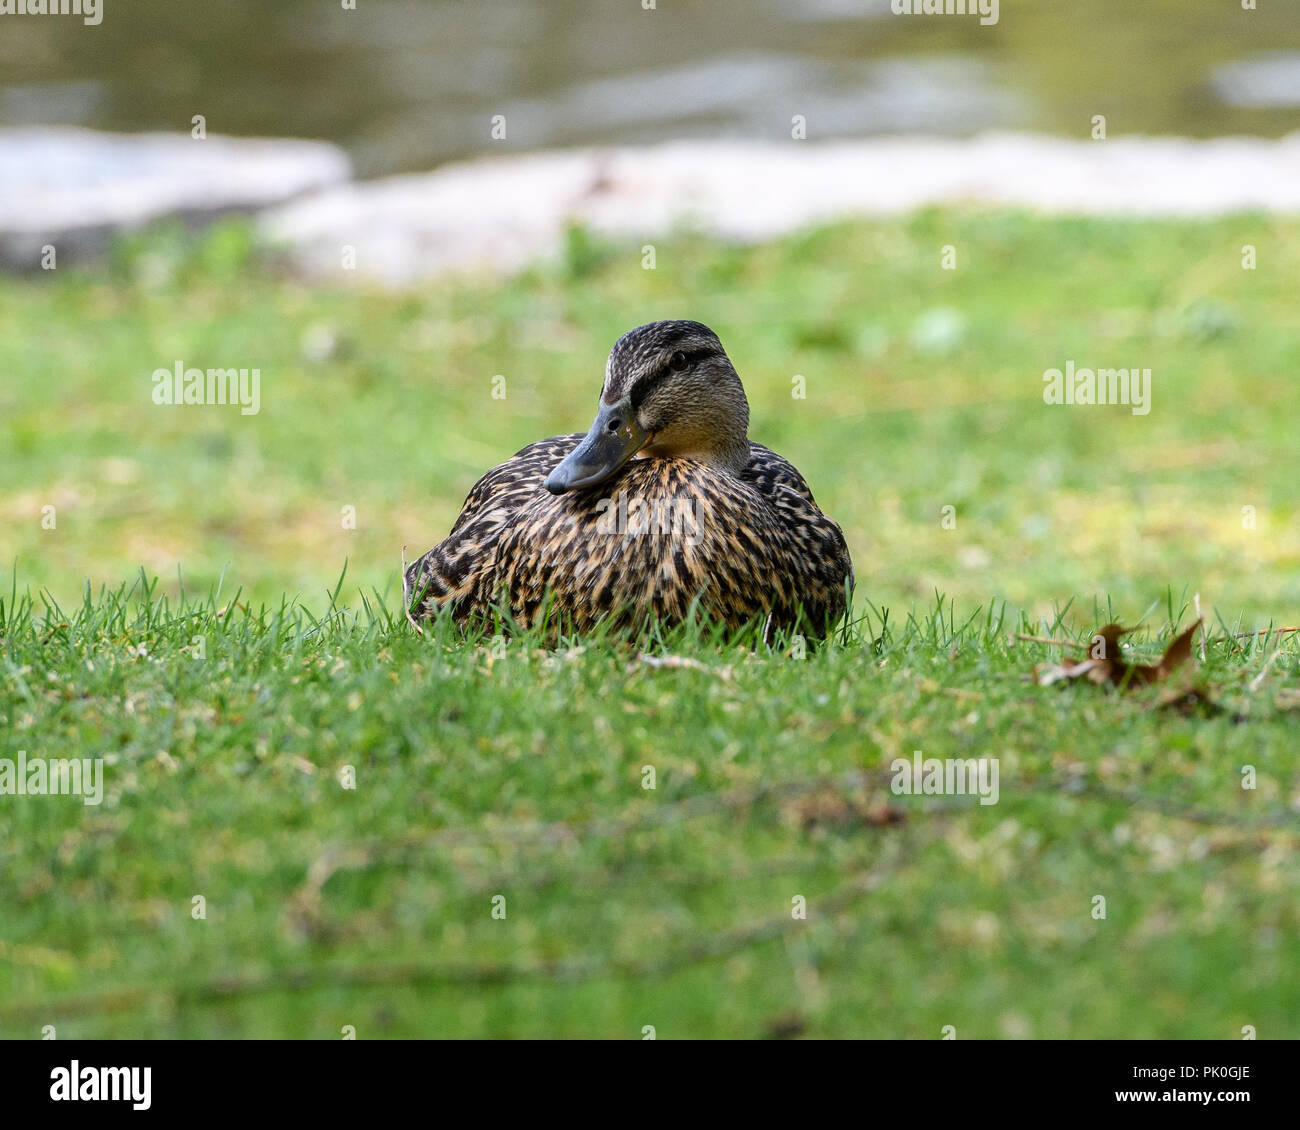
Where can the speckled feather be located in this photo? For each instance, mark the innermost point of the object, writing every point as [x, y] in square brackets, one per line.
[745, 546]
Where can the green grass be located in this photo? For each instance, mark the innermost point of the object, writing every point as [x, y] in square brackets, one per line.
[499, 767]
[503, 767]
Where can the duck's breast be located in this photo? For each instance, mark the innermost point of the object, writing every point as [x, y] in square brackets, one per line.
[663, 534]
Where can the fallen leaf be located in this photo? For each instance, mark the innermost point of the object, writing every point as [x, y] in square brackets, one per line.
[1105, 662]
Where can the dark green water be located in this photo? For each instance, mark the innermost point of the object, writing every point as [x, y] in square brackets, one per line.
[406, 84]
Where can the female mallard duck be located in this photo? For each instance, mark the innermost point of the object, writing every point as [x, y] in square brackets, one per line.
[663, 503]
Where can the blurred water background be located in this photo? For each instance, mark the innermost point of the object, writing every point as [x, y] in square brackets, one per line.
[408, 84]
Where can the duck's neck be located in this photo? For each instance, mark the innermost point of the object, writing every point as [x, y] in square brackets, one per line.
[731, 438]
[731, 454]
[735, 456]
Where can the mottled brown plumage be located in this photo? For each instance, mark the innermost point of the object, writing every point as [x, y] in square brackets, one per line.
[664, 503]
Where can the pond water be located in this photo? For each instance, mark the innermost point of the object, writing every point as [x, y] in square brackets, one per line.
[407, 84]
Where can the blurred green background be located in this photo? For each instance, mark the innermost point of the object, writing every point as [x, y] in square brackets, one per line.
[924, 390]
[923, 383]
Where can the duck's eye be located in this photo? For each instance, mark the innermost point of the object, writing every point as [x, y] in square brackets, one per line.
[677, 362]
[614, 425]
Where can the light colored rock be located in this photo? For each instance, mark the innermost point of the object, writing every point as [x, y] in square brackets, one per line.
[481, 215]
[499, 214]
[1267, 82]
[73, 188]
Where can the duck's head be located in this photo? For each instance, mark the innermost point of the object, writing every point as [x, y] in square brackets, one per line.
[670, 392]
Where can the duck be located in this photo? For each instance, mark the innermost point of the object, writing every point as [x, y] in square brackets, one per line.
[665, 509]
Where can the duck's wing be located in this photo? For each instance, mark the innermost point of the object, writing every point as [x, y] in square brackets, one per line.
[512, 483]
[455, 567]
[818, 542]
[767, 470]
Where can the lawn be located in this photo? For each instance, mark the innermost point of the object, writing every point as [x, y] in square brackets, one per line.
[235, 687]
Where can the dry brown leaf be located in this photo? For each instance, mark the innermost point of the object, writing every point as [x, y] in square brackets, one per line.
[1105, 662]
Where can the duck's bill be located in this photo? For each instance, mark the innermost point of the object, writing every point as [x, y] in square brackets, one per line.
[613, 440]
